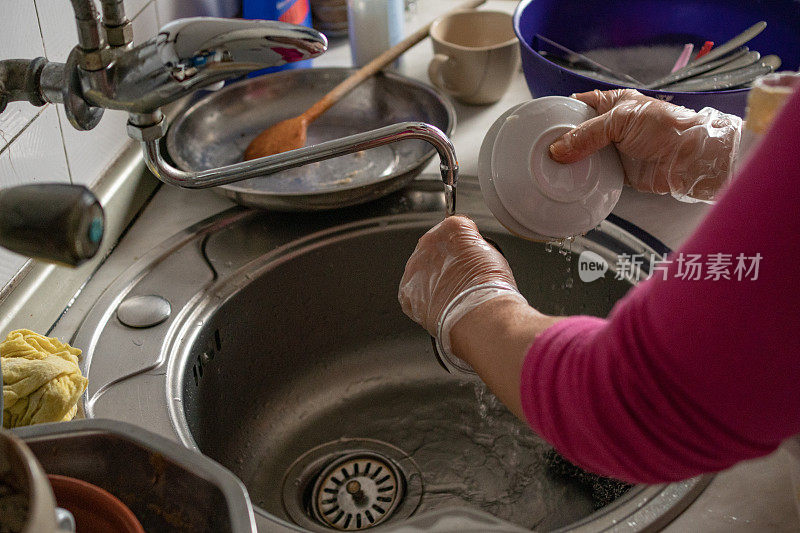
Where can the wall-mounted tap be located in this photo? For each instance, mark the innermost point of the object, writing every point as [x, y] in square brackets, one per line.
[189, 54]
[186, 55]
[105, 72]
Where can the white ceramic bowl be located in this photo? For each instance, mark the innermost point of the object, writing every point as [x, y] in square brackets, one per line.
[528, 192]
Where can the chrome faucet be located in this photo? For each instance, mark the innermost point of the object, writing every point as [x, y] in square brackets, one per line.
[189, 54]
[186, 55]
[104, 71]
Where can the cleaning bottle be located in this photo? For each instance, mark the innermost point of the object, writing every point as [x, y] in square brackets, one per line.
[764, 101]
[374, 27]
[291, 11]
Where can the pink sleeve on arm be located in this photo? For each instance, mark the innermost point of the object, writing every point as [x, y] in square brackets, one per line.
[686, 377]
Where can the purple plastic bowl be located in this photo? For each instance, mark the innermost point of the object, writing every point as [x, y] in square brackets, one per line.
[588, 24]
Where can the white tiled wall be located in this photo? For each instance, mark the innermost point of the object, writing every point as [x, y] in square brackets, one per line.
[37, 144]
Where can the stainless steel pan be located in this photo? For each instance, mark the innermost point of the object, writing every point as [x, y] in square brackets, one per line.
[214, 131]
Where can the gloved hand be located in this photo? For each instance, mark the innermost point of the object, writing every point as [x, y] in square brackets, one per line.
[452, 271]
[664, 148]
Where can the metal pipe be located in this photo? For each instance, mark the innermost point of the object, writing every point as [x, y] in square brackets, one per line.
[89, 36]
[113, 12]
[19, 81]
[84, 9]
[294, 158]
[119, 31]
[12, 80]
[51, 83]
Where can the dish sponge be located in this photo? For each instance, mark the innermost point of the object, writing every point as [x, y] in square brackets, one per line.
[42, 381]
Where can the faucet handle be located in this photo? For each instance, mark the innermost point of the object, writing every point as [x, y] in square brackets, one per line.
[192, 45]
[189, 54]
[55, 222]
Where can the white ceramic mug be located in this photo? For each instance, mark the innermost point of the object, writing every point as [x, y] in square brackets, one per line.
[476, 55]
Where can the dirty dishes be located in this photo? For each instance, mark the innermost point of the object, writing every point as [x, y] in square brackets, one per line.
[528, 192]
[291, 134]
[634, 25]
[214, 131]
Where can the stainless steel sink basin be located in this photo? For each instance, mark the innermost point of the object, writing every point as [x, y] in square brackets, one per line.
[287, 359]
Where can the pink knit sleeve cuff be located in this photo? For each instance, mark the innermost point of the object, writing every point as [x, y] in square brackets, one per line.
[542, 359]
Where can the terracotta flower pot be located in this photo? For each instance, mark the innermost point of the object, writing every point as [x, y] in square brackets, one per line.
[95, 510]
[20, 470]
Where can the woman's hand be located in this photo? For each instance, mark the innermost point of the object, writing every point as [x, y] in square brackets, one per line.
[449, 259]
[491, 328]
[664, 148]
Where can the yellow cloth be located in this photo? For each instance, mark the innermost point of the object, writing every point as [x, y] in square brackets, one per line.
[41, 379]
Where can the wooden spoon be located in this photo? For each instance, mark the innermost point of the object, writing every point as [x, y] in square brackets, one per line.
[290, 134]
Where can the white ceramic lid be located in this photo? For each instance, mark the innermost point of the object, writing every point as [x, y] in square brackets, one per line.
[528, 192]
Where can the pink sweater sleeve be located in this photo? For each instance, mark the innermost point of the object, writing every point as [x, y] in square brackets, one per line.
[686, 377]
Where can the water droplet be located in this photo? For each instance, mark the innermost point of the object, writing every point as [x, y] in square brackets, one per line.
[568, 284]
[137, 342]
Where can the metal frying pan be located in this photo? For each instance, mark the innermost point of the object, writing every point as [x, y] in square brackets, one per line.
[214, 131]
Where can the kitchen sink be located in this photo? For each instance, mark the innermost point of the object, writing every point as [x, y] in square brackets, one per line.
[274, 344]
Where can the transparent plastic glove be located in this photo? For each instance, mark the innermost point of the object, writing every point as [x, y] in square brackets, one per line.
[452, 271]
[664, 148]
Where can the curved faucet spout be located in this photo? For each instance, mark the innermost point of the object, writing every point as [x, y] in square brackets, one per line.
[294, 158]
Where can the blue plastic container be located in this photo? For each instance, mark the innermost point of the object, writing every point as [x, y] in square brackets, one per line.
[291, 11]
[589, 24]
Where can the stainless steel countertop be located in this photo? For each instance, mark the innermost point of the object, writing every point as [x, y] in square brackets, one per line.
[753, 496]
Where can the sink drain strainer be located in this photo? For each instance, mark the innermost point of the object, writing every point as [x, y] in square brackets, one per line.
[351, 485]
[356, 491]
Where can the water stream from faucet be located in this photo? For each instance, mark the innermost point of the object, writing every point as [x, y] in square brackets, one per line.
[450, 199]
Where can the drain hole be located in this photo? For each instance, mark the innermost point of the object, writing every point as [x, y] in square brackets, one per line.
[345, 489]
[351, 485]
